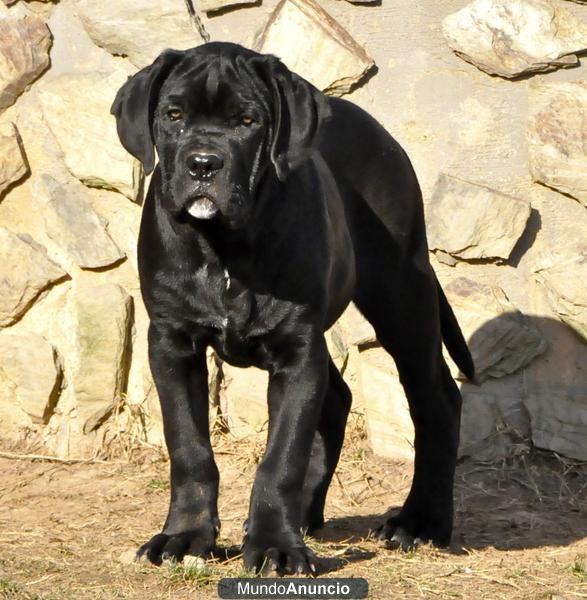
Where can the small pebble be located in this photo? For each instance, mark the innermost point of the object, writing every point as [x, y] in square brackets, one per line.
[193, 561]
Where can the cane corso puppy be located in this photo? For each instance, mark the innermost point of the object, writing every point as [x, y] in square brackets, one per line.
[273, 206]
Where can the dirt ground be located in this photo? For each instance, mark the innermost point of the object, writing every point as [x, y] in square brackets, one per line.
[70, 530]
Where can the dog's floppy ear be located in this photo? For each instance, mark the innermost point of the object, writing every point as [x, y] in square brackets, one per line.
[135, 104]
[300, 109]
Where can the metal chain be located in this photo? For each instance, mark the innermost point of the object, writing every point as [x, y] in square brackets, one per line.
[197, 21]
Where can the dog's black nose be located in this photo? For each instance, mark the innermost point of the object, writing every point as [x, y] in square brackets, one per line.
[202, 166]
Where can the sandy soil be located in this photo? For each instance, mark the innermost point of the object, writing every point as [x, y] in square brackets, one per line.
[70, 530]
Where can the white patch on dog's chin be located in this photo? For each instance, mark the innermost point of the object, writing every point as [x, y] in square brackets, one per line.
[202, 208]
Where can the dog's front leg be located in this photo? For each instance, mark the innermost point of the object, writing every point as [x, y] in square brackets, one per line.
[273, 540]
[181, 378]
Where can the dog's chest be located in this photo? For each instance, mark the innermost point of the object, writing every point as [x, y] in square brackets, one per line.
[236, 321]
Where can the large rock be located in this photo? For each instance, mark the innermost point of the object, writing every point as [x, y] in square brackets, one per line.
[565, 283]
[469, 221]
[138, 29]
[14, 422]
[389, 425]
[499, 338]
[24, 55]
[123, 220]
[103, 315]
[557, 136]
[371, 374]
[32, 365]
[243, 400]
[556, 391]
[74, 226]
[310, 42]
[513, 37]
[559, 426]
[77, 110]
[494, 419]
[12, 159]
[25, 271]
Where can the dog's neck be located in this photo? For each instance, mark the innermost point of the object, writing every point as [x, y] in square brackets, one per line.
[238, 255]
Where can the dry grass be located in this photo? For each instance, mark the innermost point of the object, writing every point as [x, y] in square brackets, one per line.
[70, 530]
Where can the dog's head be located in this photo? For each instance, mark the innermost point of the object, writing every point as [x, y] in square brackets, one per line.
[219, 115]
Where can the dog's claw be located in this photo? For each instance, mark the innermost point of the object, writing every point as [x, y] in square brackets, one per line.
[399, 534]
[163, 547]
[295, 561]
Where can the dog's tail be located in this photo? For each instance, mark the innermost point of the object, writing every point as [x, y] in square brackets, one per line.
[453, 338]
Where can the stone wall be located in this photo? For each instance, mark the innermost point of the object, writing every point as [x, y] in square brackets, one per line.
[490, 101]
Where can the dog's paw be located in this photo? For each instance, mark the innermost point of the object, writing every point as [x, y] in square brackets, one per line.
[292, 560]
[174, 547]
[406, 535]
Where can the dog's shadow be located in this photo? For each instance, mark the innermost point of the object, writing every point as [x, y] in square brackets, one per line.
[525, 502]
[528, 499]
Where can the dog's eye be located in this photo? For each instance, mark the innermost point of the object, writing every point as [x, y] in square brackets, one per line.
[247, 120]
[174, 114]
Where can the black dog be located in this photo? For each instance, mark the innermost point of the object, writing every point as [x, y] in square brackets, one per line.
[272, 207]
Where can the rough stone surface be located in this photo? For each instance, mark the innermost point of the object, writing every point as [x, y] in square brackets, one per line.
[24, 55]
[77, 110]
[243, 400]
[103, 318]
[138, 29]
[560, 427]
[14, 422]
[357, 330]
[311, 43]
[123, 220]
[450, 118]
[558, 136]
[32, 365]
[556, 397]
[499, 338]
[566, 289]
[73, 224]
[216, 5]
[513, 37]
[25, 271]
[12, 158]
[389, 425]
[470, 221]
[494, 419]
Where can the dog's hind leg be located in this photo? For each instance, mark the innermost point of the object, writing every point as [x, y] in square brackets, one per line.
[397, 292]
[325, 449]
